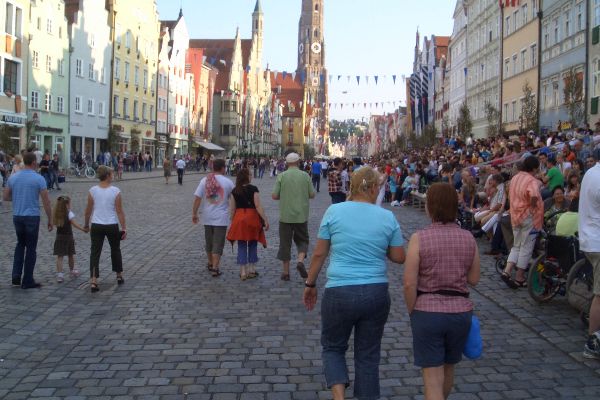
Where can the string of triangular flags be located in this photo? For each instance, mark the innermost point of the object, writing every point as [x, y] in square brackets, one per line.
[364, 105]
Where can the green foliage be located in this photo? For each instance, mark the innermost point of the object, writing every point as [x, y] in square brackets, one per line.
[464, 123]
[309, 151]
[529, 112]
[427, 138]
[573, 96]
[492, 114]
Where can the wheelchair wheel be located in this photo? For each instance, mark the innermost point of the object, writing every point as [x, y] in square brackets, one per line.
[543, 281]
[501, 264]
[580, 285]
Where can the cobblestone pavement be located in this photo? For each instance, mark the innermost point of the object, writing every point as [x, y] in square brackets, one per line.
[172, 331]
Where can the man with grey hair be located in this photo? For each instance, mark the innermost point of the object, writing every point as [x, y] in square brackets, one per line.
[293, 189]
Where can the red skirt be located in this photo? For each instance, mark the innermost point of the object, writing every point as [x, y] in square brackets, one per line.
[246, 226]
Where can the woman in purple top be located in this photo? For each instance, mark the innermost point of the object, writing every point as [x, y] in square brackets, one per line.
[442, 261]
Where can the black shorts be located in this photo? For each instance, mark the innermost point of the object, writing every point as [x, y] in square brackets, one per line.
[439, 338]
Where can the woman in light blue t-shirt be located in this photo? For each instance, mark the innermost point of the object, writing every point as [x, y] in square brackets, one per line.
[358, 236]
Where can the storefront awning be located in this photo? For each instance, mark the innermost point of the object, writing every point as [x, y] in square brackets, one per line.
[209, 146]
[123, 135]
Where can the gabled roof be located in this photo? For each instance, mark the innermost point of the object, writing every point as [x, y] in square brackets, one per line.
[222, 49]
[291, 90]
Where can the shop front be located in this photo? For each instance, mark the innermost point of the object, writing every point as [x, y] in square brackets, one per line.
[161, 149]
[50, 141]
[12, 129]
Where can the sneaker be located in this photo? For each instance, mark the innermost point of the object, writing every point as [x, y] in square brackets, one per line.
[394, 203]
[592, 347]
[60, 277]
[75, 273]
[16, 282]
[302, 270]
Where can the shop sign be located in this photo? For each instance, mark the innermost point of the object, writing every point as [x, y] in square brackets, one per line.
[48, 129]
[12, 119]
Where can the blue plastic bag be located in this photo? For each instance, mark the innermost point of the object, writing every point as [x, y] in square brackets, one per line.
[474, 345]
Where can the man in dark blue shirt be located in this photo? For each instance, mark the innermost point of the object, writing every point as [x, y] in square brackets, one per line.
[316, 174]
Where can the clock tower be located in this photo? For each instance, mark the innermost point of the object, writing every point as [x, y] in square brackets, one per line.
[311, 67]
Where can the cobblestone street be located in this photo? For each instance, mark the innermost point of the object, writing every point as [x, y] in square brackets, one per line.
[173, 332]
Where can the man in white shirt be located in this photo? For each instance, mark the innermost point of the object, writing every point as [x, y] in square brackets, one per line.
[180, 169]
[589, 231]
[213, 194]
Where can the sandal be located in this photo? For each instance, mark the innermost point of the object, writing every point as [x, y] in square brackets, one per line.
[522, 284]
[252, 275]
[94, 287]
[285, 277]
[243, 277]
[302, 270]
[120, 280]
[215, 273]
[509, 281]
[209, 267]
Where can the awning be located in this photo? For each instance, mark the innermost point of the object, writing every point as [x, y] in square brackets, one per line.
[209, 146]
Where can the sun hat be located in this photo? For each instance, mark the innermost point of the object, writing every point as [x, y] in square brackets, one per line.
[292, 158]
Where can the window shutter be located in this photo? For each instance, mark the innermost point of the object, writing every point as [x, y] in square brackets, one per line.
[594, 108]
[596, 35]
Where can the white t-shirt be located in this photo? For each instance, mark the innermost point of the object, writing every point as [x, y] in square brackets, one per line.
[104, 212]
[589, 211]
[345, 180]
[180, 164]
[71, 215]
[215, 210]
[324, 165]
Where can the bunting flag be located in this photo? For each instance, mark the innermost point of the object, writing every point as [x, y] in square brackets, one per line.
[275, 74]
[357, 80]
[348, 78]
[339, 76]
[330, 79]
[284, 75]
[212, 60]
[376, 79]
[301, 102]
[293, 76]
[394, 78]
[203, 59]
[367, 79]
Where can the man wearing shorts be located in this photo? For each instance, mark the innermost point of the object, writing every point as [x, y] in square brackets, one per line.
[213, 194]
[293, 189]
[589, 230]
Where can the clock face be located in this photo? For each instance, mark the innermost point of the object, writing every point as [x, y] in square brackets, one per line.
[316, 47]
[301, 48]
[315, 81]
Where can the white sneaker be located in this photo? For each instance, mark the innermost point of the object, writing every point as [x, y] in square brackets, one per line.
[75, 273]
[394, 203]
[60, 277]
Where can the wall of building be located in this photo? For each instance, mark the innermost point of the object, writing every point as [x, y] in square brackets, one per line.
[593, 91]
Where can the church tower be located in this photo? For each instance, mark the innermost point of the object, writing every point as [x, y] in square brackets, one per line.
[311, 63]
[257, 29]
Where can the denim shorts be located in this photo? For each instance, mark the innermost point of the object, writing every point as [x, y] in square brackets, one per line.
[439, 338]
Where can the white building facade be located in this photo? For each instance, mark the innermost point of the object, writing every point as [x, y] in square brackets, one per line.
[457, 55]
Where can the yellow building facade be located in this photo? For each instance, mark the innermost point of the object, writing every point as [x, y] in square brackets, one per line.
[135, 32]
[519, 60]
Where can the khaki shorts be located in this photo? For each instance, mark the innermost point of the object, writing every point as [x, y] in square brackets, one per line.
[215, 239]
[288, 232]
[594, 259]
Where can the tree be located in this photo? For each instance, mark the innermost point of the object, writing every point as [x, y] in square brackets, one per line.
[573, 93]
[463, 122]
[445, 125]
[492, 115]
[529, 111]
[309, 152]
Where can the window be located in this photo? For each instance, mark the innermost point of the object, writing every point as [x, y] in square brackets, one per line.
[523, 57]
[92, 40]
[128, 39]
[505, 113]
[507, 26]
[35, 59]
[516, 19]
[60, 104]
[580, 17]
[101, 108]
[515, 65]
[60, 67]
[514, 111]
[144, 109]
[11, 73]
[145, 79]
[125, 107]
[48, 64]
[567, 17]
[60, 32]
[90, 108]
[91, 71]
[116, 105]
[39, 24]
[35, 100]
[102, 75]
[8, 27]
[525, 14]
[534, 55]
[556, 31]
[136, 76]
[151, 113]
[596, 78]
[555, 94]
[596, 12]
[117, 68]
[534, 8]
[49, 26]
[79, 67]
[48, 102]
[135, 110]
[126, 78]
[546, 41]
[78, 101]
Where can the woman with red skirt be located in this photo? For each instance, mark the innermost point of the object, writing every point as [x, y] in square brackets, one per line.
[248, 225]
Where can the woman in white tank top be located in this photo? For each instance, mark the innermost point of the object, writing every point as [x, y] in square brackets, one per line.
[105, 209]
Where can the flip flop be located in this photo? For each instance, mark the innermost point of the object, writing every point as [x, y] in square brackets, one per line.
[215, 273]
[302, 270]
[209, 267]
[285, 277]
[252, 275]
[509, 282]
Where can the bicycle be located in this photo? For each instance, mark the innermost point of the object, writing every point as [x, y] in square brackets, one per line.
[80, 171]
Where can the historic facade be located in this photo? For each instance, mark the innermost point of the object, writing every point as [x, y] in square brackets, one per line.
[563, 56]
[135, 30]
[89, 93]
[313, 73]
[48, 80]
[519, 61]
[593, 45]
[483, 61]
[14, 69]
[457, 63]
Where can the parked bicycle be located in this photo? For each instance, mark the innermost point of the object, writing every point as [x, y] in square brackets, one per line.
[81, 171]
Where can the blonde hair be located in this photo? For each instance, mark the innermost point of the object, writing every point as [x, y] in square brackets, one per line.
[61, 209]
[362, 180]
[103, 172]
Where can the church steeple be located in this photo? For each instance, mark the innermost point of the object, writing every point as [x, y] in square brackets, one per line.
[257, 29]
[258, 8]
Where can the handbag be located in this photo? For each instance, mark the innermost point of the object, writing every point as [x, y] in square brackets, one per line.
[474, 345]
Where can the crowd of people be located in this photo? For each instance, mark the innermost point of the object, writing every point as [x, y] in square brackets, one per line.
[472, 189]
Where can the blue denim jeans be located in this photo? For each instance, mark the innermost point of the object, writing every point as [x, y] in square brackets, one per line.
[27, 229]
[247, 252]
[365, 309]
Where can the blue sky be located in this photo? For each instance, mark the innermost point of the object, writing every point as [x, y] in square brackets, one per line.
[363, 37]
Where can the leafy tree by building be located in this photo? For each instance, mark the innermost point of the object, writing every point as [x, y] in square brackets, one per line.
[492, 115]
[573, 96]
[529, 111]
[464, 124]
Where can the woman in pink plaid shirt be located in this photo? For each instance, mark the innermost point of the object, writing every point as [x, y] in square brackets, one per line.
[442, 260]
